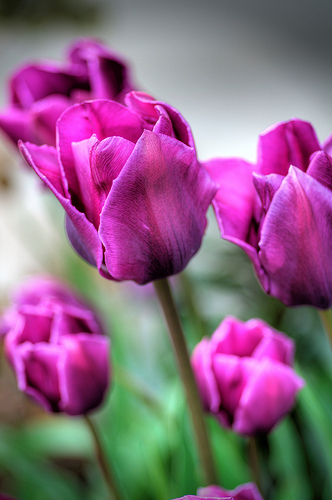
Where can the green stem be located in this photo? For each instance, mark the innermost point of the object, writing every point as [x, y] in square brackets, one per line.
[182, 356]
[102, 461]
[326, 320]
[254, 462]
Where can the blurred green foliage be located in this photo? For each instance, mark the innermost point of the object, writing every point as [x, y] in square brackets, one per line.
[144, 422]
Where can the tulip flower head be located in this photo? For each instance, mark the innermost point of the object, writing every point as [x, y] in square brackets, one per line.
[247, 491]
[56, 346]
[129, 180]
[279, 212]
[40, 92]
[245, 376]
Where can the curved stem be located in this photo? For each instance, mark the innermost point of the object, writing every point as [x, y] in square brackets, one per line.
[182, 356]
[326, 320]
[102, 461]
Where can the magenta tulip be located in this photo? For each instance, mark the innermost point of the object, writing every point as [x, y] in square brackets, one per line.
[40, 92]
[279, 212]
[56, 346]
[247, 491]
[128, 177]
[245, 376]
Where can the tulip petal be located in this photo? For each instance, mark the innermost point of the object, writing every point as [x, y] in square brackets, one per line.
[202, 366]
[248, 491]
[164, 193]
[276, 347]
[294, 246]
[81, 232]
[84, 375]
[266, 187]
[100, 117]
[237, 338]
[320, 168]
[231, 374]
[147, 107]
[285, 144]
[268, 396]
[41, 363]
[34, 82]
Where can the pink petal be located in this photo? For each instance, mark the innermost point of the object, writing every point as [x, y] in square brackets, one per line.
[320, 168]
[248, 491]
[295, 249]
[100, 117]
[268, 396]
[201, 361]
[236, 338]
[155, 215]
[285, 144]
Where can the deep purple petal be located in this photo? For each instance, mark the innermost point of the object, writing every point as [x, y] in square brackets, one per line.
[81, 232]
[84, 375]
[34, 82]
[41, 363]
[155, 215]
[295, 249]
[285, 144]
[268, 396]
[320, 168]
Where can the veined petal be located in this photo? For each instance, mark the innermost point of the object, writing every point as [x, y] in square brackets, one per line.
[320, 168]
[165, 193]
[100, 117]
[294, 246]
[285, 144]
[81, 232]
[266, 186]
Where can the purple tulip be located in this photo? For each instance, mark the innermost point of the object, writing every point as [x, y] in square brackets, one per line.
[247, 491]
[40, 92]
[128, 177]
[279, 212]
[245, 375]
[55, 344]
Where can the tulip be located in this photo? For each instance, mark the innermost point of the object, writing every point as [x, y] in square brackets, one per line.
[245, 376]
[128, 177]
[40, 92]
[56, 346]
[247, 491]
[279, 211]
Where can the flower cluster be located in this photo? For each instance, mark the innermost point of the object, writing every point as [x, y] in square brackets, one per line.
[124, 167]
[279, 211]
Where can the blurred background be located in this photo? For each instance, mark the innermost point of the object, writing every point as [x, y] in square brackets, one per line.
[232, 68]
